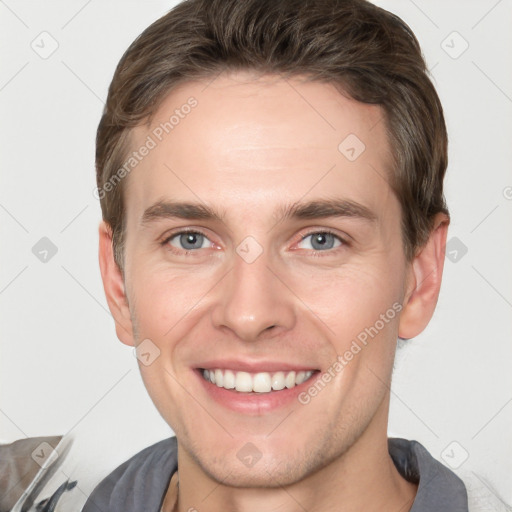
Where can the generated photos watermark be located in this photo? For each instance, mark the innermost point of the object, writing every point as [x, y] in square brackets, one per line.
[151, 142]
[361, 341]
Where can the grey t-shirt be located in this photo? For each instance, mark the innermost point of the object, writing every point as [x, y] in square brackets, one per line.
[140, 483]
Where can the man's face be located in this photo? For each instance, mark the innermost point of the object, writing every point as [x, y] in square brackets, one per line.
[257, 292]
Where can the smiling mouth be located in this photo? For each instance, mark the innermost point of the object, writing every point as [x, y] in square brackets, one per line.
[261, 382]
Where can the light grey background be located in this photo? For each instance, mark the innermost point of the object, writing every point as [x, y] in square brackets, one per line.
[62, 367]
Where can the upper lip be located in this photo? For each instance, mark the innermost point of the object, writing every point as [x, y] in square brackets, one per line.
[238, 365]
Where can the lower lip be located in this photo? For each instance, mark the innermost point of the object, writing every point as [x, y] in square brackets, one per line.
[253, 403]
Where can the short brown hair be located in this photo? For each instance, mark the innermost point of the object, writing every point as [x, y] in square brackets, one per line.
[370, 54]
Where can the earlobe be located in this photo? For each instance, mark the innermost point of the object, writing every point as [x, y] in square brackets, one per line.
[424, 281]
[113, 284]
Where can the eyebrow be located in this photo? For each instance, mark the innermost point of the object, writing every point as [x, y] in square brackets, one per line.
[317, 209]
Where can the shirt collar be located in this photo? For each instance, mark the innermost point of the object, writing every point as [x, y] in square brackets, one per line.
[439, 488]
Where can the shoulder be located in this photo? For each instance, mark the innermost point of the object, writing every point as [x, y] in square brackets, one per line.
[141, 480]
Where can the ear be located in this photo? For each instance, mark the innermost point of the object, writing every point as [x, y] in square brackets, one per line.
[113, 284]
[424, 281]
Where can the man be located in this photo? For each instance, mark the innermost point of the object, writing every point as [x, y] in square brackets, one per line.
[271, 182]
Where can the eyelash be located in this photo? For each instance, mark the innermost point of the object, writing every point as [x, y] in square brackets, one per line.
[314, 253]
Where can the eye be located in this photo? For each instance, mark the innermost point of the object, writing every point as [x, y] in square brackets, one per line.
[187, 240]
[321, 241]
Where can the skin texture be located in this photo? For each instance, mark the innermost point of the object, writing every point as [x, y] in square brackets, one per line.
[250, 146]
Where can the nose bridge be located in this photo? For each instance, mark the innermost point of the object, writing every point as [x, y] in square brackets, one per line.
[252, 299]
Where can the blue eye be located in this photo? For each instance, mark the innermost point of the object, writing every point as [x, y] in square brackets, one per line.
[322, 240]
[187, 240]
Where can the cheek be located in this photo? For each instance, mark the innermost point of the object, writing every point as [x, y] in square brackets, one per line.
[164, 298]
[357, 308]
[162, 307]
[351, 299]
[168, 306]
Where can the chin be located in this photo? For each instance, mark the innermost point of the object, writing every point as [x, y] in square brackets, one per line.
[278, 467]
[264, 474]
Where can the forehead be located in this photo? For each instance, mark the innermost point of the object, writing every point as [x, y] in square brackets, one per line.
[247, 140]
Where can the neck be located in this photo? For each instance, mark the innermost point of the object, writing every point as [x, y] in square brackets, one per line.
[363, 478]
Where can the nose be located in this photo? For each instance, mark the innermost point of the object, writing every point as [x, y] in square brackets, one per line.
[254, 300]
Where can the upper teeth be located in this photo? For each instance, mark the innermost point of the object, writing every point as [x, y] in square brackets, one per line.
[262, 382]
